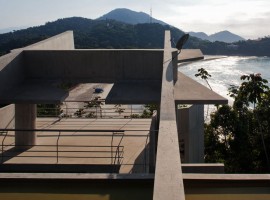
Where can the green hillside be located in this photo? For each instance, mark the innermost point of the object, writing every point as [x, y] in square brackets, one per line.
[90, 34]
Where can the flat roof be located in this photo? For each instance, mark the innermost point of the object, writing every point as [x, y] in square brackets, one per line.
[33, 92]
[134, 92]
[188, 91]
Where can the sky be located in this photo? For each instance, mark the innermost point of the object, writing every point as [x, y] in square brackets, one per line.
[247, 18]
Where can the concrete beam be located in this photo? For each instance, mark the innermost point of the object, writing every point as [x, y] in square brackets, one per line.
[168, 175]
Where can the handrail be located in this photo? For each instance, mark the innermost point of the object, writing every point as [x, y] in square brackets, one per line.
[116, 151]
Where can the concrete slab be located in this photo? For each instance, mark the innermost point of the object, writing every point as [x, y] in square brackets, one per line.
[34, 92]
[87, 144]
[187, 55]
[134, 92]
[188, 91]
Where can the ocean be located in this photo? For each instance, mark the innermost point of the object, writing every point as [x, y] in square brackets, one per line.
[226, 71]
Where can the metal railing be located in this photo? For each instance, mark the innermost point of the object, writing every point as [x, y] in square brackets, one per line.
[64, 111]
[112, 151]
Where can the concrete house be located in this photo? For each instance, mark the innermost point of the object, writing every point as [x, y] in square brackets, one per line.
[108, 151]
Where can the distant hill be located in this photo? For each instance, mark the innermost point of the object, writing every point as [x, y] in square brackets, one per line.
[130, 17]
[200, 35]
[93, 34]
[223, 36]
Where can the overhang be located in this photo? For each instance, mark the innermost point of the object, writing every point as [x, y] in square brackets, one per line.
[188, 91]
[187, 55]
[33, 92]
[134, 92]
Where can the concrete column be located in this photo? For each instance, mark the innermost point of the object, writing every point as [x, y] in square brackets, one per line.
[25, 118]
[190, 125]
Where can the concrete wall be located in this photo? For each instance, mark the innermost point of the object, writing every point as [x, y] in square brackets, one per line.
[7, 117]
[94, 65]
[63, 41]
[191, 132]
[11, 71]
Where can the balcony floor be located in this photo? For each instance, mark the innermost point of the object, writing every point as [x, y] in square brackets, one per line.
[98, 146]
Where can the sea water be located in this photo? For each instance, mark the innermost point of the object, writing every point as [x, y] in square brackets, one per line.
[226, 71]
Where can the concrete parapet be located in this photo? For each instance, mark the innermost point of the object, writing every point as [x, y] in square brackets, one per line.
[11, 71]
[94, 65]
[168, 175]
[63, 41]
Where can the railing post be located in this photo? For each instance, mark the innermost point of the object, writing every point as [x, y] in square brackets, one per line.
[57, 146]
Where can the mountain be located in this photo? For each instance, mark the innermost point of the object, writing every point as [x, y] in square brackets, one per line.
[200, 35]
[223, 36]
[91, 34]
[130, 17]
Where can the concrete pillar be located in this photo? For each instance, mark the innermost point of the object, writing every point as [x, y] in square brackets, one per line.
[190, 123]
[25, 118]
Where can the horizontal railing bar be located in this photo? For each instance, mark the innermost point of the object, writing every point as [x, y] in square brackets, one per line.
[74, 130]
[59, 157]
[62, 130]
[48, 145]
[71, 151]
[93, 135]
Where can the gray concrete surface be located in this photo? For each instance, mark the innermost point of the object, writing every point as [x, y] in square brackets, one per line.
[168, 175]
[135, 92]
[62, 41]
[11, 72]
[190, 123]
[25, 118]
[188, 91]
[187, 55]
[135, 143]
[7, 116]
[94, 65]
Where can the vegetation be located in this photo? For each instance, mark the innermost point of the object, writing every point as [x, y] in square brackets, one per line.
[49, 110]
[239, 135]
[91, 34]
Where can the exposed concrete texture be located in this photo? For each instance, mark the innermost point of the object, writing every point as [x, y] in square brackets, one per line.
[7, 116]
[84, 141]
[168, 175]
[135, 92]
[190, 55]
[34, 92]
[94, 65]
[63, 41]
[25, 118]
[188, 91]
[11, 71]
[190, 123]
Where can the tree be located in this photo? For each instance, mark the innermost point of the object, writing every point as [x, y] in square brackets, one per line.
[239, 135]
